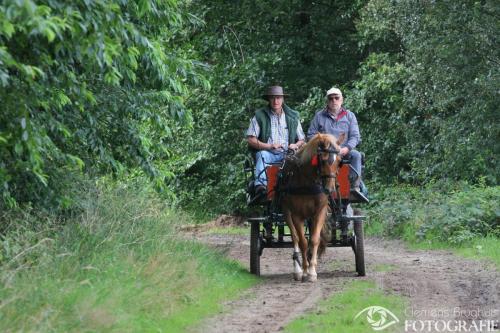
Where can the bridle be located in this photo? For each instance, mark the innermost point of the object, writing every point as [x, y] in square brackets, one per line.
[317, 162]
[332, 156]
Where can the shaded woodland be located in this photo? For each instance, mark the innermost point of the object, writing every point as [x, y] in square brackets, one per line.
[163, 91]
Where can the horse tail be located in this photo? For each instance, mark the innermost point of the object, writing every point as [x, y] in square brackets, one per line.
[325, 237]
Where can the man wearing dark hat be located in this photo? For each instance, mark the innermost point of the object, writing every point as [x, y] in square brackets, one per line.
[273, 130]
[335, 120]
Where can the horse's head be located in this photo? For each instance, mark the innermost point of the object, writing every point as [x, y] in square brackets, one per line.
[323, 153]
[328, 159]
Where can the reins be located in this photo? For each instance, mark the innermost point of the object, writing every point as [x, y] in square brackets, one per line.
[318, 162]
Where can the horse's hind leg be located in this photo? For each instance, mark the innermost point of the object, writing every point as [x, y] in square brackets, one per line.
[297, 270]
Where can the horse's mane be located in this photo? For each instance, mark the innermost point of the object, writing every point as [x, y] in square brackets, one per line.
[310, 149]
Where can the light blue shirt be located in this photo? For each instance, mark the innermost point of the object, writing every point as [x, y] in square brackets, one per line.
[344, 122]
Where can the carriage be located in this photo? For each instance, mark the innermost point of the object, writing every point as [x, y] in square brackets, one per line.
[270, 230]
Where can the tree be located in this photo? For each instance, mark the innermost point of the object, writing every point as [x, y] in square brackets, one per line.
[430, 86]
[248, 45]
[89, 85]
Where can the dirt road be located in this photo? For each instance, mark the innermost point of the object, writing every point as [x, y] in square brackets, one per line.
[431, 280]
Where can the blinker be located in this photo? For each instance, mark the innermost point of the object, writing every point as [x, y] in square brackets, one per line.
[331, 158]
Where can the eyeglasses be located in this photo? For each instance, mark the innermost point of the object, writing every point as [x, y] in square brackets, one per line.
[331, 98]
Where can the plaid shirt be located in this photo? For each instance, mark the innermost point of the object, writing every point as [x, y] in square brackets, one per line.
[279, 129]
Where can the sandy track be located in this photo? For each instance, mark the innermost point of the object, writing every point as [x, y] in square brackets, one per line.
[432, 280]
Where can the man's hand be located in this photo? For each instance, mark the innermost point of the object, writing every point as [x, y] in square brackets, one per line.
[296, 145]
[256, 144]
[275, 146]
[344, 151]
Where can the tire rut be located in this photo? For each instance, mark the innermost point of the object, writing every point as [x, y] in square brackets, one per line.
[430, 280]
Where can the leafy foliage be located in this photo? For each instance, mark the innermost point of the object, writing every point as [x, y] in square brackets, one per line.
[166, 88]
[388, 126]
[215, 177]
[88, 86]
[249, 45]
[405, 80]
[438, 212]
[432, 76]
[300, 44]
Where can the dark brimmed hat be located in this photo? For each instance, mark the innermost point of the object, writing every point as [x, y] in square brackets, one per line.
[274, 91]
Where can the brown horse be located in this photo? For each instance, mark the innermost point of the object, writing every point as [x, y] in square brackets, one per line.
[308, 178]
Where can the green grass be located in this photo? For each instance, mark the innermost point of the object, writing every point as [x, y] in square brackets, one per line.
[483, 248]
[237, 230]
[454, 217]
[384, 268]
[487, 248]
[337, 313]
[232, 230]
[120, 267]
[240, 230]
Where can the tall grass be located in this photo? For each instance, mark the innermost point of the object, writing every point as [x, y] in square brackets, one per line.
[120, 267]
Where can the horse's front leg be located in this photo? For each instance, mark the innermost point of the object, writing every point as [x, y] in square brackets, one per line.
[299, 227]
[319, 221]
[297, 270]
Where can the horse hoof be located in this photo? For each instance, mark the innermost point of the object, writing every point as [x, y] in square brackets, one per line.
[298, 276]
[309, 278]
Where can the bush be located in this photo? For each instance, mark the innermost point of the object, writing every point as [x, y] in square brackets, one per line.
[448, 213]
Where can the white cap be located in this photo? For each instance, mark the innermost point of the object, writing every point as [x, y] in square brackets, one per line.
[334, 91]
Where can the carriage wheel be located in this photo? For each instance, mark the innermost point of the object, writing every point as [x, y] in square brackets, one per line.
[281, 233]
[359, 248]
[255, 248]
